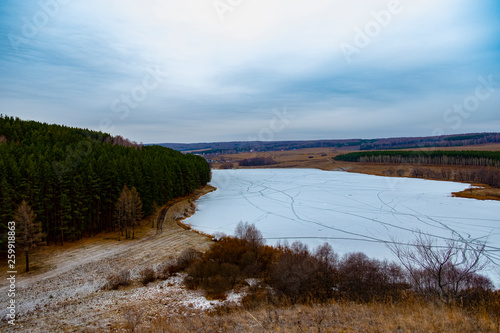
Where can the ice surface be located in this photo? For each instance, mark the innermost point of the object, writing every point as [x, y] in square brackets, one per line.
[352, 212]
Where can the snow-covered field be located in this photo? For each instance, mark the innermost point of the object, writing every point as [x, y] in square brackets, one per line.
[352, 212]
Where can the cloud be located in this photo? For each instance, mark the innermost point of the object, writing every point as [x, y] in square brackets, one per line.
[223, 75]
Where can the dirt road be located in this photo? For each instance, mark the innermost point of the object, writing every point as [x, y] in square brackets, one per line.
[65, 293]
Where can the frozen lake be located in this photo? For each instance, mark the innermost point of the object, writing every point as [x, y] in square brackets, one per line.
[352, 212]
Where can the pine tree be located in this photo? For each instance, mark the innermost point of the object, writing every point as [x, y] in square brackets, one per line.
[29, 230]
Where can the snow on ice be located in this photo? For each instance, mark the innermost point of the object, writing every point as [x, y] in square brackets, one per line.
[352, 212]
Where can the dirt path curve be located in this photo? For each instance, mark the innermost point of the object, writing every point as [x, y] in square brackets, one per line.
[67, 289]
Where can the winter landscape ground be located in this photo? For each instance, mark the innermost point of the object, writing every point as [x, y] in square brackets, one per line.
[352, 212]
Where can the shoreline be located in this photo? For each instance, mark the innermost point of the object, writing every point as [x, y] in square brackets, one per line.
[322, 159]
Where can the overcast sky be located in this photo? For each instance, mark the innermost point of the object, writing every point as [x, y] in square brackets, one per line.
[223, 70]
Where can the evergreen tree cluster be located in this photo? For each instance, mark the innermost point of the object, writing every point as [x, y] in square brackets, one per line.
[72, 178]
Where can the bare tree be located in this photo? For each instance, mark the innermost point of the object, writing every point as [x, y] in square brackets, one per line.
[29, 230]
[128, 210]
[123, 211]
[250, 233]
[443, 270]
[136, 207]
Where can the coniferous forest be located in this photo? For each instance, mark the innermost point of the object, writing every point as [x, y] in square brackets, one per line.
[72, 178]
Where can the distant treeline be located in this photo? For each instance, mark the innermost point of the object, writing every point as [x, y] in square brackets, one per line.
[257, 161]
[350, 144]
[462, 158]
[476, 175]
[72, 177]
[486, 164]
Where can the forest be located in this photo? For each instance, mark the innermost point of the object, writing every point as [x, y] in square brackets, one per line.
[471, 166]
[462, 158]
[72, 178]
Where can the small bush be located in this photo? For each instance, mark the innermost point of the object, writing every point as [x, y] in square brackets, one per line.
[363, 279]
[187, 256]
[133, 317]
[256, 297]
[147, 275]
[115, 280]
[257, 161]
[300, 276]
[229, 262]
[165, 269]
[226, 165]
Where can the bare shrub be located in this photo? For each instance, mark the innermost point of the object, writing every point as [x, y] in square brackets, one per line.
[256, 296]
[164, 270]
[229, 261]
[186, 257]
[300, 276]
[133, 317]
[215, 278]
[389, 172]
[147, 275]
[116, 280]
[364, 279]
[226, 165]
[250, 233]
[446, 271]
[257, 161]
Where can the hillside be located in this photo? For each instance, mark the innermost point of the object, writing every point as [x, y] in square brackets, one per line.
[72, 178]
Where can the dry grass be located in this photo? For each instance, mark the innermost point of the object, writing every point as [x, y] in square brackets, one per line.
[335, 317]
[483, 193]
